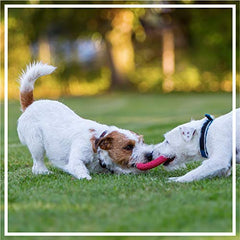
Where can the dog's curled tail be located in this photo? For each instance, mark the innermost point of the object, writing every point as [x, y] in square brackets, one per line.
[27, 80]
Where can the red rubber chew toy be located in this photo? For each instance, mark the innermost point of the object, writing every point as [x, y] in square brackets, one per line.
[154, 163]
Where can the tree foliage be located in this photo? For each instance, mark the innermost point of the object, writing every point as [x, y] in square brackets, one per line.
[124, 48]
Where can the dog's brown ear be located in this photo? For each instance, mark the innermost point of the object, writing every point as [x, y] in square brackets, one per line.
[105, 143]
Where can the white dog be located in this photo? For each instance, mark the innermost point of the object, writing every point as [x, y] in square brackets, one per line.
[207, 139]
[76, 145]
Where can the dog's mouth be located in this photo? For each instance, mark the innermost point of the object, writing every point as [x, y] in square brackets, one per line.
[168, 161]
[103, 165]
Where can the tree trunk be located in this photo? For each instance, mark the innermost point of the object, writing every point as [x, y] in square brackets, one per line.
[120, 48]
[116, 78]
[168, 59]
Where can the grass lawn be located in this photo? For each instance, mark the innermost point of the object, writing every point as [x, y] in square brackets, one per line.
[124, 203]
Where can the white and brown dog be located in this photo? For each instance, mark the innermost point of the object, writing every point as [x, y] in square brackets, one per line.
[76, 145]
[208, 140]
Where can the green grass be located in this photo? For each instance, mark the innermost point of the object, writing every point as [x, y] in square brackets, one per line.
[125, 203]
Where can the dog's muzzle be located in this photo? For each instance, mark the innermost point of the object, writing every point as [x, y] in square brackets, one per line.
[103, 165]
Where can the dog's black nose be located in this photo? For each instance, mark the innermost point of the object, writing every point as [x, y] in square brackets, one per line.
[149, 156]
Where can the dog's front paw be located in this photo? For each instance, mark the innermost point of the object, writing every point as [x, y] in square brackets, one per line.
[88, 177]
[42, 171]
[172, 179]
[182, 179]
[83, 176]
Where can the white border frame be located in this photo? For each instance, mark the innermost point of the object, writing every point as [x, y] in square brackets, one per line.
[8, 6]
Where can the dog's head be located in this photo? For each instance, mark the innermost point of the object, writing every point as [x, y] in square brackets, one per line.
[119, 150]
[180, 145]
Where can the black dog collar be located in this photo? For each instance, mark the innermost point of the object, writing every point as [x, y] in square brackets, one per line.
[203, 137]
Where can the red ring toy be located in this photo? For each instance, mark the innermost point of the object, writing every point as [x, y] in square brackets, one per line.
[154, 163]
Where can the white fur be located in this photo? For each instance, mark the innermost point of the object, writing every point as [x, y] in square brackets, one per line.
[183, 143]
[51, 127]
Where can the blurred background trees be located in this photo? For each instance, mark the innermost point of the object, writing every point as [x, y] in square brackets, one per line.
[145, 50]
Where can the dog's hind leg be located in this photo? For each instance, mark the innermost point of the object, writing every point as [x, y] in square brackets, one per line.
[36, 148]
[30, 135]
[37, 152]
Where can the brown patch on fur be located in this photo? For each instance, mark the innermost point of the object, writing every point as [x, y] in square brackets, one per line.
[93, 141]
[116, 144]
[26, 99]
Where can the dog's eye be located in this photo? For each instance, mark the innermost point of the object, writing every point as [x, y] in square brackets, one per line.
[129, 147]
[166, 141]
